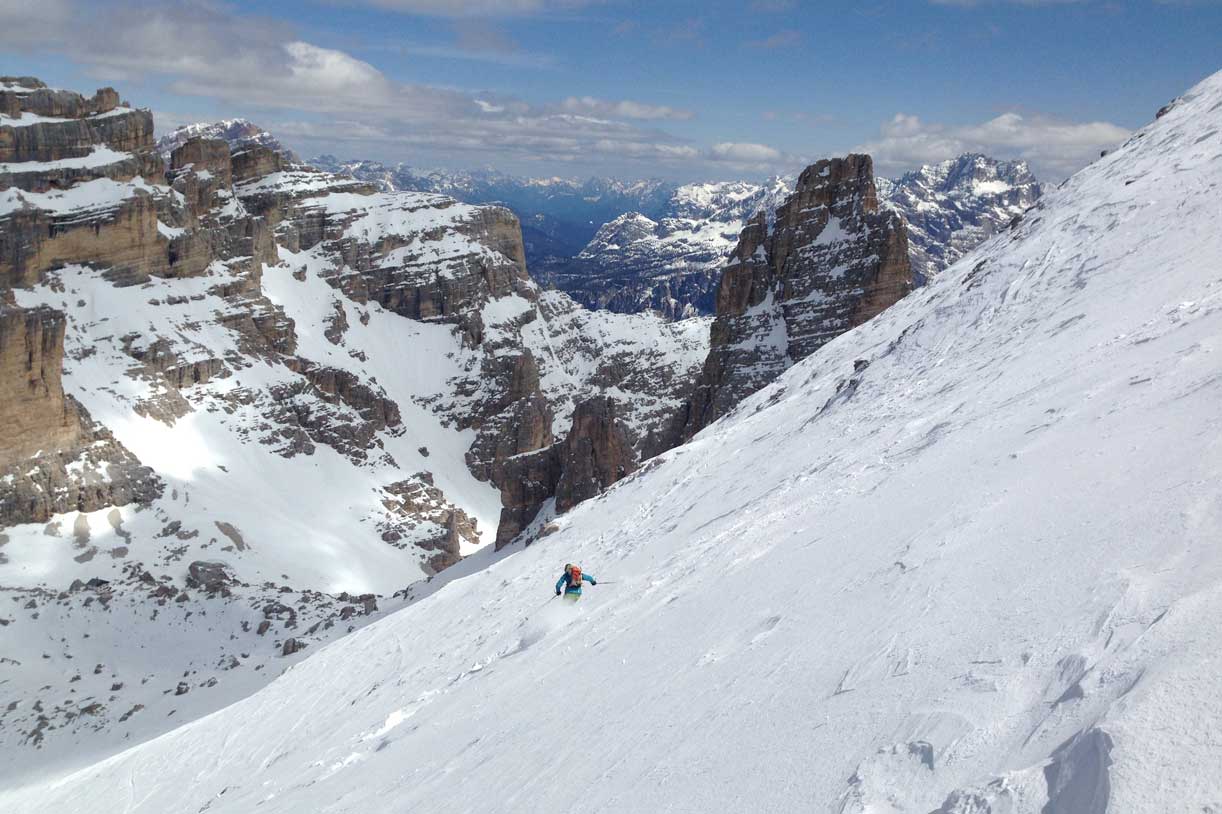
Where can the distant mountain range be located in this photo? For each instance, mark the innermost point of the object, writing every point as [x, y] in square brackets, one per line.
[653, 245]
[559, 215]
[954, 206]
[631, 246]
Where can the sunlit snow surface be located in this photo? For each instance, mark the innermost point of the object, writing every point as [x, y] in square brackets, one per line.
[895, 589]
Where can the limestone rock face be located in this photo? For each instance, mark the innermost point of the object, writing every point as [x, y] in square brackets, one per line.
[53, 457]
[33, 411]
[82, 186]
[205, 156]
[34, 138]
[830, 261]
[254, 162]
[20, 94]
[596, 453]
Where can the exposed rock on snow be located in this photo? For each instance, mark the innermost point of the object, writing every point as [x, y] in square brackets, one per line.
[831, 261]
[241, 360]
[53, 457]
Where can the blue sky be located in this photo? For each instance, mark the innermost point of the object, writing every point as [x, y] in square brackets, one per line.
[684, 90]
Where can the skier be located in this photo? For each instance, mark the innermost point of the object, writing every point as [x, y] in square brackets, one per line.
[570, 581]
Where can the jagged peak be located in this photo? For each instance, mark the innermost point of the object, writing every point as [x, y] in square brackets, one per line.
[238, 132]
[960, 173]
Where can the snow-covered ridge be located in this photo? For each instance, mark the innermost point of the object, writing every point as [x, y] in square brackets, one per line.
[239, 133]
[82, 199]
[962, 559]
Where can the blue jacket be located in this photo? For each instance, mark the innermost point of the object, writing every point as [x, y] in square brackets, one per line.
[567, 581]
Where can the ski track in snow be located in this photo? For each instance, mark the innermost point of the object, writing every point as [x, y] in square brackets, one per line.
[981, 570]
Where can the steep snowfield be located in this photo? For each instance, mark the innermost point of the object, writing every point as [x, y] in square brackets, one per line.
[963, 559]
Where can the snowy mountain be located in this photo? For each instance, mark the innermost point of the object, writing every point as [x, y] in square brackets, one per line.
[640, 246]
[559, 215]
[670, 265]
[962, 559]
[237, 133]
[954, 206]
[250, 400]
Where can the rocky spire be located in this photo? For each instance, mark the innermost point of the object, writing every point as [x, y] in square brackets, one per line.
[831, 261]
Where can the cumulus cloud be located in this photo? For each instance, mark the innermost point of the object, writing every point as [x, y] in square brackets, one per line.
[310, 93]
[1054, 148]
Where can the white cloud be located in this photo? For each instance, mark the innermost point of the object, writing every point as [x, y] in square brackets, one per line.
[327, 97]
[1055, 148]
[624, 109]
[744, 153]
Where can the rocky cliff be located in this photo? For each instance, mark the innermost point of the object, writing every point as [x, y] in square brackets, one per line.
[828, 261]
[215, 360]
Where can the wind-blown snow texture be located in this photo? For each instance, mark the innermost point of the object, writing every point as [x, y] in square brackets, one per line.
[962, 559]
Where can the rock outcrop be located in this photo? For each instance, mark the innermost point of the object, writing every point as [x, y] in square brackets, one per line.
[830, 261]
[270, 386]
[595, 454]
[33, 411]
[239, 134]
[53, 457]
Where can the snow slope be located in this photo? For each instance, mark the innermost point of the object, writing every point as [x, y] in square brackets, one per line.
[962, 559]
